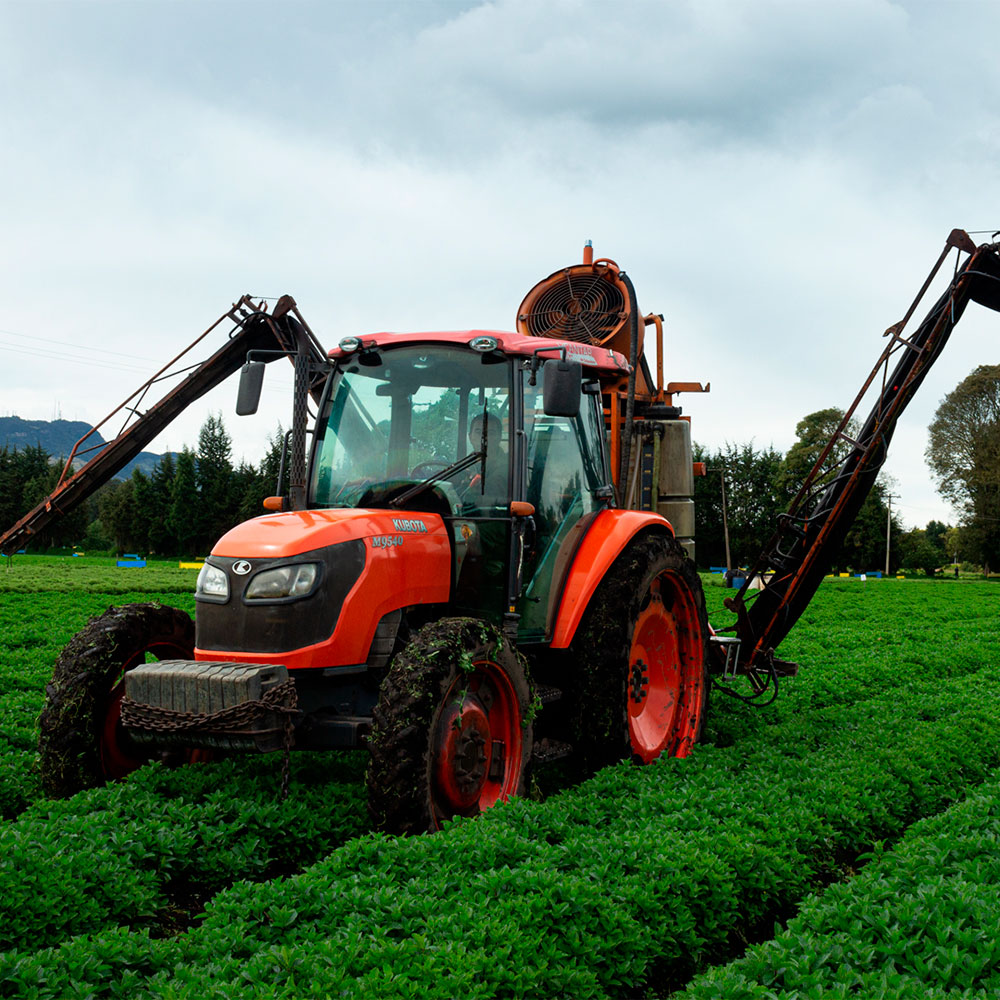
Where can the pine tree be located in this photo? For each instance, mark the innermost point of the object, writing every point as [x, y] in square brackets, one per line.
[10, 489]
[214, 479]
[262, 481]
[144, 513]
[118, 514]
[183, 511]
[161, 538]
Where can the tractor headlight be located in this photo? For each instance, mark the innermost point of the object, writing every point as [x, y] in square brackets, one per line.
[285, 581]
[484, 343]
[212, 582]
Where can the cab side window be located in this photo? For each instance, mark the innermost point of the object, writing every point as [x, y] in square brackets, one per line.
[563, 474]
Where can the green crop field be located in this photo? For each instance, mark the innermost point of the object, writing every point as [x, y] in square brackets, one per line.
[842, 842]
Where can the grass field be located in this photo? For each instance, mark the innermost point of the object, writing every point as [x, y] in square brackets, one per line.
[842, 842]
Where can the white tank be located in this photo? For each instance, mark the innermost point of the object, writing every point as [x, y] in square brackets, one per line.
[676, 470]
[676, 481]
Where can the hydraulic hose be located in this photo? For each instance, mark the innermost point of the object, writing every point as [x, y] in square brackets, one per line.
[630, 401]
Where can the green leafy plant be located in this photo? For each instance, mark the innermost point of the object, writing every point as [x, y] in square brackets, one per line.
[199, 883]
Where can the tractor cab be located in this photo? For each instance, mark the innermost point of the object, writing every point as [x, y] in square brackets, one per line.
[464, 427]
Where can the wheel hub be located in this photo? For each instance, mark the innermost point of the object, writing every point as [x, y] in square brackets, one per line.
[470, 759]
[120, 755]
[639, 682]
[463, 761]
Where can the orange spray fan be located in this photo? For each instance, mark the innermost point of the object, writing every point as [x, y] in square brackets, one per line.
[587, 302]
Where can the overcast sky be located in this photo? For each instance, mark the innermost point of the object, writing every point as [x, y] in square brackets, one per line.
[776, 177]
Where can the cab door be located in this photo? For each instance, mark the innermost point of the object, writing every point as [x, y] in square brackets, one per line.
[566, 479]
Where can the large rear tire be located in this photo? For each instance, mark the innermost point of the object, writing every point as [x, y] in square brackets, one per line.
[82, 743]
[452, 733]
[639, 659]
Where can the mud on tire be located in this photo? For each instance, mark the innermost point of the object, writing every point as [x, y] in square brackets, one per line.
[81, 742]
[452, 732]
[638, 661]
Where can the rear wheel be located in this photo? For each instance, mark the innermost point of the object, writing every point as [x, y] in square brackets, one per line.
[639, 658]
[451, 735]
[82, 742]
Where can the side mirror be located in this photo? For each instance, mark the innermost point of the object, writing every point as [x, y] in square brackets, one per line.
[251, 381]
[561, 391]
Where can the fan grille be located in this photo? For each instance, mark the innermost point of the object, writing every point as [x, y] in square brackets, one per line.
[581, 305]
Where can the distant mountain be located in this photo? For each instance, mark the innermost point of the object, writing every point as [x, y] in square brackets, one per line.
[57, 437]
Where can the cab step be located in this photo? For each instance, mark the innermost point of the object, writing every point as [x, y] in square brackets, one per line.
[545, 751]
[548, 694]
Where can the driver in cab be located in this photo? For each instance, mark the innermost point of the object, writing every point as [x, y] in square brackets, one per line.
[492, 490]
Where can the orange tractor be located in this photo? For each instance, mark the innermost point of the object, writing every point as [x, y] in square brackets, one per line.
[453, 577]
[469, 570]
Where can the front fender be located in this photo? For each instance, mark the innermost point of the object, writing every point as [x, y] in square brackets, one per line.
[605, 540]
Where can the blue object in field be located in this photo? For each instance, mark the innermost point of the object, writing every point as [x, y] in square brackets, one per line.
[132, 561]
[717, 569]
[737, 582]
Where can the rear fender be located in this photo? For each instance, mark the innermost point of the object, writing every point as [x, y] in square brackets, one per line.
[606, 539]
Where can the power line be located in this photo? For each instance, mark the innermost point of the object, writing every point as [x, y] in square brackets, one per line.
[92, 363]
[73, 360]
[21, 338]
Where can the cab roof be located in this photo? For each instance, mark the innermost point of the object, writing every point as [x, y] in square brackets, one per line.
[516, 344]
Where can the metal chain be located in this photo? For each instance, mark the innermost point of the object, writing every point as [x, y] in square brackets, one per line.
[286, 763]
[280, 700]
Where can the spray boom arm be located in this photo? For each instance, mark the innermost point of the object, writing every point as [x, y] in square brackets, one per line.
[281, 331]
[798, 555]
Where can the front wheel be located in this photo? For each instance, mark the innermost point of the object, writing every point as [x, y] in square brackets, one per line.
[451, 734]
[82, 742]
[640, 658]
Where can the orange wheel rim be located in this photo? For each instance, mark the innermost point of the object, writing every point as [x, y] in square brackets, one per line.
[476, 748]
[665, 668]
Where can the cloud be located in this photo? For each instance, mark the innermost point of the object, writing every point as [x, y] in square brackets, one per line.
[776, 177]
[723, 64]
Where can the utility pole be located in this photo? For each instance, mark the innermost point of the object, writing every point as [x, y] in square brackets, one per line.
[725, 519]
[888, 529]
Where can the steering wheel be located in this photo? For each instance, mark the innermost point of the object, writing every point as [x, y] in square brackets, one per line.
[349, 487]
[425, 469]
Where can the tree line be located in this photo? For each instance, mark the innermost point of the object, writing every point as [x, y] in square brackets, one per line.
[192, 498]
[963, 452]
[181, 508]
[761, 483]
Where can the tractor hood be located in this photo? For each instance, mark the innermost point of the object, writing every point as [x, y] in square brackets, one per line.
[277, 536]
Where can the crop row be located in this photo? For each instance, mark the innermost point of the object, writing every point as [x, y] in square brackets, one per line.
[856, 640]
[144, 852]
[920, 921]
[912, 635]
[634, 879]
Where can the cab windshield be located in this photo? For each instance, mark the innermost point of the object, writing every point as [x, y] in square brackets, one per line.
[398, 416]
